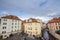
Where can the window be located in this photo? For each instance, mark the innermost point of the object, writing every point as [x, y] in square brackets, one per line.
[18, 26]
[15, 30]
[36, 32]
[18, 23]
[28, 31]
[35, 28]
[15, 20]
[12, 26]
[3, 32]
[4, 23]
[31, 32]
[5, 35]
[12, 31]
[30, 24]
[59, 23]
[56, 27]
[59, 27]
[15, 23]
[5, 19]
[4, 27]
[56, 23]
[30, 28]
[12, 23]
[15, 26]
[30, 20]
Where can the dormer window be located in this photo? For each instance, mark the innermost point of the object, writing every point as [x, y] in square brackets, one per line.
[26, 20]
[4, 23]
[30, 20]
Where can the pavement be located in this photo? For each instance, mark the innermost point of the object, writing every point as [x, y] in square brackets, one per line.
[18, 37]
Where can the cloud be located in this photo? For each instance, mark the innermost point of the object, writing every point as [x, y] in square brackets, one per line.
[44, 9]
[44, 19]
[23, 18]
[5, 13]
[44, 2]
[52, 14]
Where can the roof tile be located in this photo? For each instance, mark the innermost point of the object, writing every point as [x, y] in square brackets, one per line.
[54, 20]
[0, 20]
[11, 17]
[32, 20]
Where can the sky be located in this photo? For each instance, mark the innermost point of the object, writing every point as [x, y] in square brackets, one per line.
[24, 9]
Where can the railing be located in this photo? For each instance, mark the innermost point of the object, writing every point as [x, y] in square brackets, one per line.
[55, 35]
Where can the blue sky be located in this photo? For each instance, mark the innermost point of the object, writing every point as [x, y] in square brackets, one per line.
[24, 9]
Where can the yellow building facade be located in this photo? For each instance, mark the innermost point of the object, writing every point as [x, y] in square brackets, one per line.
[32, 27]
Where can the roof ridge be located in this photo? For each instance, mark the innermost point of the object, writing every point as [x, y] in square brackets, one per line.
[11, 17]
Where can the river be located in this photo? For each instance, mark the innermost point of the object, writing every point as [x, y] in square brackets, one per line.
[46, 35]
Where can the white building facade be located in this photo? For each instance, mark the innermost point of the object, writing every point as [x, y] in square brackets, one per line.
[10, 25]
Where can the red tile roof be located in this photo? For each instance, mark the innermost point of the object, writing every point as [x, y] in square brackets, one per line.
[0, 20]
[11, 17]
[32, 20]
[24, 21]
[54, 20]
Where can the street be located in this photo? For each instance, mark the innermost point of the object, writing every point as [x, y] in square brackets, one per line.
[21, 37]
[17, 37]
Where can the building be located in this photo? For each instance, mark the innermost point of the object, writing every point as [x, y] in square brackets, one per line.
[9, 25]
[44, 25]
[32, 27]
[54, 24]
